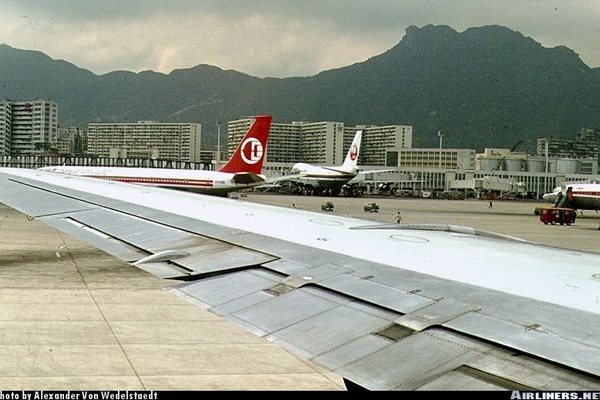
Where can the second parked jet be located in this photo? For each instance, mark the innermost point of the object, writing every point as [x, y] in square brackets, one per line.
[329, 179]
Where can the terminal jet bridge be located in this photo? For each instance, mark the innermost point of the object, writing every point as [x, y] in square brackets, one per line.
[506, 187]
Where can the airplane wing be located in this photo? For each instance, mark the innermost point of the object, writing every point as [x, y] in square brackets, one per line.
[284, 178]
[340, 171]
[386, 306]
[360, 176]
[376, 171]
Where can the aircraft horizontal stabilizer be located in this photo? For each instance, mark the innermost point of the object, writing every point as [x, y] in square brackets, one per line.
[247, 178]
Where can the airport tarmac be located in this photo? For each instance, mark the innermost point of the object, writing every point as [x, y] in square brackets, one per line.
[74, 318]
[508, 217]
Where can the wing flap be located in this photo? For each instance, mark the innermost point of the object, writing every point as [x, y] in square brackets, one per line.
[365, 344]
[529, 338]
[101, 240]
[415, 360]
[115, 233]
[225, 294]
[127, 236]
[385, 296]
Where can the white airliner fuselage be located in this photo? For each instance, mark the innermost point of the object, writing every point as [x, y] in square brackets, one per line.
[579, 196]
[322, 177]
[197, 181]
[242, 171]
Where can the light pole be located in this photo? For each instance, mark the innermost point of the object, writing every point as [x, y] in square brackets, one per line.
[441, 135]
[217, 166]
[546, 153]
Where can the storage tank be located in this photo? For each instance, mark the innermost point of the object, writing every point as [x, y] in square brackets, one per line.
[490, 164]
[536, 165]
[513, 165]
[567, 166]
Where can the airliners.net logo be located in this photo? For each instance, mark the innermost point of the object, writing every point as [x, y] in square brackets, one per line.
[520, 395]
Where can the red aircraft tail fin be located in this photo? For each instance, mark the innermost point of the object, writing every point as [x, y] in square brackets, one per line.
[250, 153]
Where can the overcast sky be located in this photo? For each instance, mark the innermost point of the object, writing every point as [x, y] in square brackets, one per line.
[271, 38]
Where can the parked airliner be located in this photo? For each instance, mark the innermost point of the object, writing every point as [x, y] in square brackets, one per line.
[329, 180]
[325, 179]
[328, 177]
[576, 195]
[242, 171]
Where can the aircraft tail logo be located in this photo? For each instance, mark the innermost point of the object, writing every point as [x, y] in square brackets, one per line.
[353, 152]
[250, 154]
[252, 151]
[351, 161]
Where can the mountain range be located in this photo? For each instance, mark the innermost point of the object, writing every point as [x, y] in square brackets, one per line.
[485, 87]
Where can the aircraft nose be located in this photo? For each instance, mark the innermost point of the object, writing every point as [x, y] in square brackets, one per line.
[551, 197]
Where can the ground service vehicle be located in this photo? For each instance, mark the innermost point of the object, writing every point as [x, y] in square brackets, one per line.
[538, 209]
[558, 215]
[327, 206]
[371, 207]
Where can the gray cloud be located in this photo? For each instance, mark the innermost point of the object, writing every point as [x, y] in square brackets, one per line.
[277, 38]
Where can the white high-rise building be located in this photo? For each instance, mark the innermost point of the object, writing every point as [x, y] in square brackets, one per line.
[145, 139]
[28, 127]
[5, 118]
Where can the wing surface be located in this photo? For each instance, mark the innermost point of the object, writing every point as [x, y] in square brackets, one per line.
[376, 171]
[387, 307]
